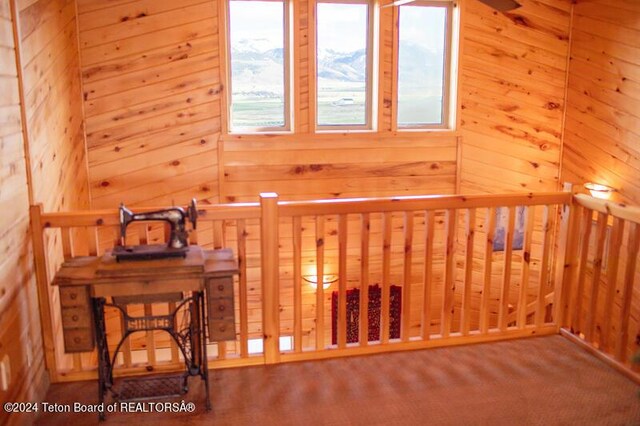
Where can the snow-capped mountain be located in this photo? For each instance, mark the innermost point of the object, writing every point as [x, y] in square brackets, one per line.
[257, 65]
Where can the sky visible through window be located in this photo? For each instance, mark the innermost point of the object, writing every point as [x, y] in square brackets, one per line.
[421, 57]
[256, 33]
[341, 63]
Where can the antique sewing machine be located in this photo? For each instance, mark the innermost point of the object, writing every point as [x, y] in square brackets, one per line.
[178, 244]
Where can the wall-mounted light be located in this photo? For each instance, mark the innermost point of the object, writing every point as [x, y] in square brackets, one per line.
[599, 190]
[327, 280]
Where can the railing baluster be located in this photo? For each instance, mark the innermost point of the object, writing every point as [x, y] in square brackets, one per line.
[406, 286]
[320, 281]
[385, 316]
[585, 235]
[485, 301]
[218, 234]
[342, 280]
[601, 234]
[526, 266]
[612, 277]
[297, 284]
[468, 271]
[503, 310]
[427, 289]
[364, 279]
[547, 228]
[241, 231]
[67, 243]
[633, 245]
[449, 274]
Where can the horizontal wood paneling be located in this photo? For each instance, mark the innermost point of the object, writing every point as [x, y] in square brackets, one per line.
[601, 144]
[603, 123]
[512, 83]
[20, 332]
[152, 88]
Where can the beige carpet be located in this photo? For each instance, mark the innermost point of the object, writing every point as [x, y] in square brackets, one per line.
[537, 381]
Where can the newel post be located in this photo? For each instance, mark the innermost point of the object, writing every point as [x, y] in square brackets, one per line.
[270, 276]
[565, 258]
[42, 282]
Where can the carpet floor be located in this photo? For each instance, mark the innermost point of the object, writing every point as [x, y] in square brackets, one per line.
[536, 381]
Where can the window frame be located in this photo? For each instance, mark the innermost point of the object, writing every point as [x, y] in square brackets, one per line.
[288, 74]
[370, 92]
[451, 53]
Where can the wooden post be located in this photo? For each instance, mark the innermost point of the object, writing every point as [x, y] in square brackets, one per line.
[633, 245]
[468, 272]
[406, 286]
[385, 297]
[503, 309]
[242, 288]
[364, 280]
[566, 244]
[601, 235]
[612, 279]
[342, 280]
[526, 267]
[270, 276]
[490, 225]
[297, 283]
[427, 284]
[44, 301]
[449, 277]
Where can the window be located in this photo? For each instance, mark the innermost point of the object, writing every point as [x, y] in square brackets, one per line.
[259, 66]
[424, 34]
[343, 65]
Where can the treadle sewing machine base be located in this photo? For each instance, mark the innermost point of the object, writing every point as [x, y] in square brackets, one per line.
[87, 283]
[189, 336]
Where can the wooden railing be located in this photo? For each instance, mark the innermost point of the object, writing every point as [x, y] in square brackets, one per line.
[458, 279]
[601, 307]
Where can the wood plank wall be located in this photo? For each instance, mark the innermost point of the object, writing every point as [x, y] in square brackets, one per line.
[53, 160]
[602, 132]
[20, 334]
[154, 107]
[52, 96]
[154, 94]
[512, 84]
[152, 88]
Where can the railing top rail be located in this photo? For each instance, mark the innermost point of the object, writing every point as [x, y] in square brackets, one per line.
[620, 210]
[110, 217]
[423, 202]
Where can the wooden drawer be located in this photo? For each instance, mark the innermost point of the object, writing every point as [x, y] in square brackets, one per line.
[71, 296]
[222, 329]
[220, 308]
[220, 287]
[78, 340]
[79, 317]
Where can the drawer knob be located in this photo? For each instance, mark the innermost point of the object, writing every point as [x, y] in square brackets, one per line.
[221, 287]
[76, 340]
[73, 296]
[222, 328]
[221, 308]
[74, 318]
